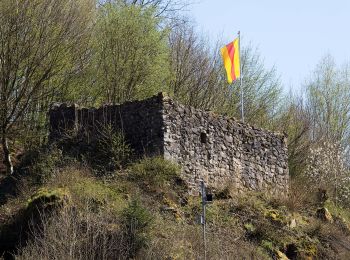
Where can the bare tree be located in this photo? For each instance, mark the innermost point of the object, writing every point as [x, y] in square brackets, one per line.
[196, 70]
[294, 120]
[262, 88]
[328, 101]
[164, 8]
[39, 41]
[198, 78]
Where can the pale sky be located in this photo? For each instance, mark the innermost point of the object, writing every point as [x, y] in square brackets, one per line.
[292, 35]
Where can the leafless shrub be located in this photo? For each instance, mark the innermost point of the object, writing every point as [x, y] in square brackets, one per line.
[88, 231]
[301, 195]
[70, 234]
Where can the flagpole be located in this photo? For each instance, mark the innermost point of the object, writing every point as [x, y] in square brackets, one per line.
[240, 76]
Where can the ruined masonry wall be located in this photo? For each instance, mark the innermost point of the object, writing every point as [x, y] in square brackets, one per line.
[221, 150]
[224, 151]
[141, 123]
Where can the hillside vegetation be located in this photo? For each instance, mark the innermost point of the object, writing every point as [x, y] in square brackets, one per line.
[62, 210]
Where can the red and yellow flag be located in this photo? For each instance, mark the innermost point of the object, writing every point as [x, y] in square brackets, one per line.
[230, 56]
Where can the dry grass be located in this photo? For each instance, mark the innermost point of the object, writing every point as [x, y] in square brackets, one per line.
[70, 234]
[178, 240]
[302, 197]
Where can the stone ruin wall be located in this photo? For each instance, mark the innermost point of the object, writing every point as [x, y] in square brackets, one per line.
[218, 149]
[141, 123]
[224, 151]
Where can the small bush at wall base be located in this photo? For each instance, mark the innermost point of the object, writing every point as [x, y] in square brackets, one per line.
[106, 153]
[111, 150]
[156, 171]
[136, 222]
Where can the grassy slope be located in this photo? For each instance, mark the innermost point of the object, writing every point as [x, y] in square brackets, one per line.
[91, 215]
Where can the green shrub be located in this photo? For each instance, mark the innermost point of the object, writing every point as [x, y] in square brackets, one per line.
[107, 152]
[95, 194]
[111, 150]
[136, 222]
[268, 246]
[156, 171]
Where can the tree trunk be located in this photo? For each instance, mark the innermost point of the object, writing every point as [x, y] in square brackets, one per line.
[7, 156]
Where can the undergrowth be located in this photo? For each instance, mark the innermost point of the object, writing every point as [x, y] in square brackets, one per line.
[145, 212]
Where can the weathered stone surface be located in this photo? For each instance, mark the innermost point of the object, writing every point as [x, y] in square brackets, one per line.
[218, 149]
[293, 223]
[324, 214]
[140, 121]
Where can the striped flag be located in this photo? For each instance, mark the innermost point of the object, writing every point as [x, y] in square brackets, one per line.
[230, 56]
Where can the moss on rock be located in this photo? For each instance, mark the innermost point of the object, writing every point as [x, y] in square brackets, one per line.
[46, 198]
[275, 216]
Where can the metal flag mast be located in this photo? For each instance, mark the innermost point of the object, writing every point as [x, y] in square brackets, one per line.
[207, 198]
[240, 76]
[203, 220]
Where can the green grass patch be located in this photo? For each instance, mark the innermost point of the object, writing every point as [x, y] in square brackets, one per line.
[88, 191]
[154, 171]
[338, 211]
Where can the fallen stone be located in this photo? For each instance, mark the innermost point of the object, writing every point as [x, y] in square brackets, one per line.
[293, 223]
[324, 214]
[281, 256]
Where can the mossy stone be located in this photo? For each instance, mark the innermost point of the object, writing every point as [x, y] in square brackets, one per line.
[46, 198]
